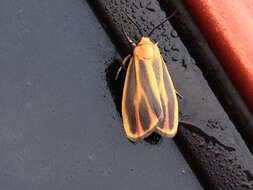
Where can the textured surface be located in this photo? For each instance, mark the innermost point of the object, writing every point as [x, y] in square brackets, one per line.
[212, 69]
[59, 128]
[212, 143]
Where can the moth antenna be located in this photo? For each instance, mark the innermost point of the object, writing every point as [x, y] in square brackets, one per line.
[132, 20]
[157, 26]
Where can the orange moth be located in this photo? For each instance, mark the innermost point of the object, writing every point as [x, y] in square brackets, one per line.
[149, 102]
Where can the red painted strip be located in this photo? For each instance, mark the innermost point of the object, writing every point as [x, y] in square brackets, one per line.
[228, 26]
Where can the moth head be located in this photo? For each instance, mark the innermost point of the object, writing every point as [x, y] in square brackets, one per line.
[145, 48]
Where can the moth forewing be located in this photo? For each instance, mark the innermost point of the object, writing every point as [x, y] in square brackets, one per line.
[169, 125]
[141, 107]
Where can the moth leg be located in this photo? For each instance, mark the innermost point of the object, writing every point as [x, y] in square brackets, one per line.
[179, 95]
[127, 37]
[122, 65]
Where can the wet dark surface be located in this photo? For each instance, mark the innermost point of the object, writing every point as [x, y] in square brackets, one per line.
[212, 69]
[210, 142]
[59, 126]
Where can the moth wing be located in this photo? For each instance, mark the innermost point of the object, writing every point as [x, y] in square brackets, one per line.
[169, 123]
[141, 106]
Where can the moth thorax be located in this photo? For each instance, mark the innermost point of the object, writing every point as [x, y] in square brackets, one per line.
[145, 51]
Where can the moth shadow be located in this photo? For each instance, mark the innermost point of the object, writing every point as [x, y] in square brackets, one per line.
[115, 86]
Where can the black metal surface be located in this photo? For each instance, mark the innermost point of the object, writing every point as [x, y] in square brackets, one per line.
[211, 144]
[59, 128]
[212, 69]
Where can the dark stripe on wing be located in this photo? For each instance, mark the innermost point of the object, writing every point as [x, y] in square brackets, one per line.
[130, 93]
[169, 91]
[161, 121]
[145, 83]
[156, 70]
[144, 115]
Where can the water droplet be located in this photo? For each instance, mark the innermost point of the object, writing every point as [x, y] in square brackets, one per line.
[141, 4]
[150, 7]
[20, 11]
[202, 143]
[135, 5]
[175, 57]
[249, 175]
[28, 83]
[167, 48]
[173, 33]
[106, 172]
[91, 157]
[184, 64]
[216, 153]
[175, 47]
[193, 61]
[28, 105]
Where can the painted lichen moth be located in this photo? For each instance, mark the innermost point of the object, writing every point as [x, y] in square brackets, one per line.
[149, 102]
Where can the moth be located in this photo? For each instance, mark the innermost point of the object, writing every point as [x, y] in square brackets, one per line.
[149, 102]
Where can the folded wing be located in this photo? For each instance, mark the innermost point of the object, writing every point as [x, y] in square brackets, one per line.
[169, 123]
[141, 102]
